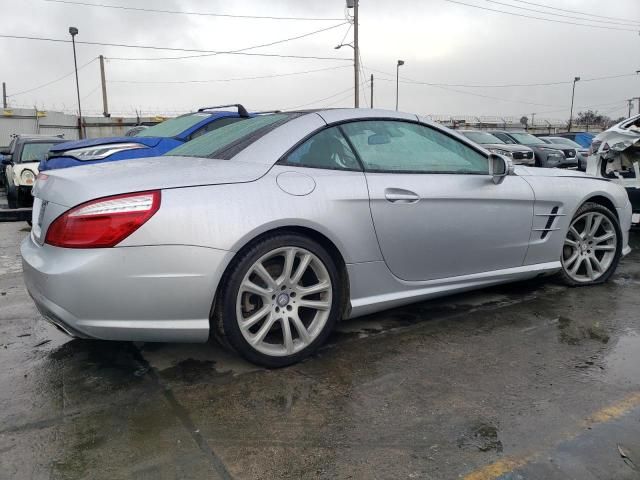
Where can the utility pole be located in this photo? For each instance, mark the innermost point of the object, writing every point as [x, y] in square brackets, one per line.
[105, 105]
[73, 31]
[4, 95]
[630, 107]
[372, 90]
[356, 55]
[533, 117]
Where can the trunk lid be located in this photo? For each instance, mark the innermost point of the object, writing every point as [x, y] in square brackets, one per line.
[69, 187]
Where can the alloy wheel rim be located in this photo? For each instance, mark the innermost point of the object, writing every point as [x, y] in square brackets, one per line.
[284, 301]
[590, 247]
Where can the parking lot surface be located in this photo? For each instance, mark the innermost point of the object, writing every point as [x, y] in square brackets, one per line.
[524, 381]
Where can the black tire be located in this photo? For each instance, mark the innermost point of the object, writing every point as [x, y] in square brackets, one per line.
[12, 196]
[224, 325]
[595, 207]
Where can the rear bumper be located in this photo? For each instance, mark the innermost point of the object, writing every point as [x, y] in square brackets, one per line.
[150, 293]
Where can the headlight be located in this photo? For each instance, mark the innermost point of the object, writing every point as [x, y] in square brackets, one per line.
[27, 177]
[101, 151]
[500, 152]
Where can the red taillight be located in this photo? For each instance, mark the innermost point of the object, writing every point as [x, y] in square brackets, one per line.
[104, 222]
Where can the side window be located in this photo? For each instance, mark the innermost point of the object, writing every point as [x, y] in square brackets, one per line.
[326, 149]
[211, 126]
[396, 146]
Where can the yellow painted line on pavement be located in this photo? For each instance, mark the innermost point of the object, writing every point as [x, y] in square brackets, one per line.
[509, 464]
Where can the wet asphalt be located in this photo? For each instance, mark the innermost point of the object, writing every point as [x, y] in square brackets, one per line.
[523, 381]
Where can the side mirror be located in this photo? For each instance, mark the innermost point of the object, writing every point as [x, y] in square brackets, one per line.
[7, 160]
[499, 167]
[5, 151]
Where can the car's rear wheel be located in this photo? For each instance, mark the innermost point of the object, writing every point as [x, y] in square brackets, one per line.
[279, 300]
[592, 247]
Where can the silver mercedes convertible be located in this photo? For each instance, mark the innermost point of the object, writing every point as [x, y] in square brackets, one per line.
[266, 232]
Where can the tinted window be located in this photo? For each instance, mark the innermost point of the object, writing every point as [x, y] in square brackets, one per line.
[327, 149]
[482, 137]
[505, 138]
[227, 141]
[211, 126]
[34, 152]
[393, 146]
[526, 139]
[173, 126]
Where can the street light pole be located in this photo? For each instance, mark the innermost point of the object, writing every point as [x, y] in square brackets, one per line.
[73, 31]
[398, 65]
[573, 92]
[371, 90]
[356, 53]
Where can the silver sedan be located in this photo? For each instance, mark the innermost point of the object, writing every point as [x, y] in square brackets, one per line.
[266, 232]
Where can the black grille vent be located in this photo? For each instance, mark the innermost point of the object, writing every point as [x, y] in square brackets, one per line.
[550, 220]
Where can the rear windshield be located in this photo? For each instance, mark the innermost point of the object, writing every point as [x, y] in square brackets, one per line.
[173, 126]
[562, 141]
[227, 141]
[34, 152]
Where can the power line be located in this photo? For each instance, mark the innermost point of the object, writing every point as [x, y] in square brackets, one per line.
[241, 51]
[350, 89]
[171, 82]
[179, 12]
[559, 14]
[522, 15]
[574, 11]
[504, 85]
[52, 81]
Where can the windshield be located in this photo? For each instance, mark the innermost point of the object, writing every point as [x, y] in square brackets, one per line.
[34, 152]
[526, 138]
[173, 126]
[563, 141]
[482, 137]
[227, 141]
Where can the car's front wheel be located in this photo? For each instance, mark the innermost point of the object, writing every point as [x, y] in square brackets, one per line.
[592, 247]
[279, 300]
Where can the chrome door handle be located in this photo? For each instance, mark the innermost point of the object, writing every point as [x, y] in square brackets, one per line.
[400, 195]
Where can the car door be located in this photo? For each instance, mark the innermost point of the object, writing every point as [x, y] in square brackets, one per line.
[436, 211]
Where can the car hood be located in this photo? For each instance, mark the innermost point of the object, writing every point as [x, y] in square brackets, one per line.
[92, 142]
[72, 186]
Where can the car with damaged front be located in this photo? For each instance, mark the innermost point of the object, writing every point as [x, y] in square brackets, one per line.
[520, 154]
[615, 155]
[146, 142]
[279, 226]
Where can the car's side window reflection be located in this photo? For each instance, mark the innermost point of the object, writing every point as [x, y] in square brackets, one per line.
[326, 149]
[405, 147]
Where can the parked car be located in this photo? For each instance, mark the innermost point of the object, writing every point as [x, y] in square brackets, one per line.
[546, 155]
[20, 166]
[583, 139]
[615, 155]
[582, 153]
[279, 226]
[148, 142]
[520, 154]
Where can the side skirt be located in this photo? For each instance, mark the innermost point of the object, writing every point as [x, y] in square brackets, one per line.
[375, 288]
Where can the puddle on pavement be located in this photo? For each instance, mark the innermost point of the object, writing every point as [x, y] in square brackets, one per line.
[622, 362]
[482, 436]
[191, 371]
[573, 332]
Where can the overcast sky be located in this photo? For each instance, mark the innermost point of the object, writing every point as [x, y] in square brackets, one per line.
[440, 41]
